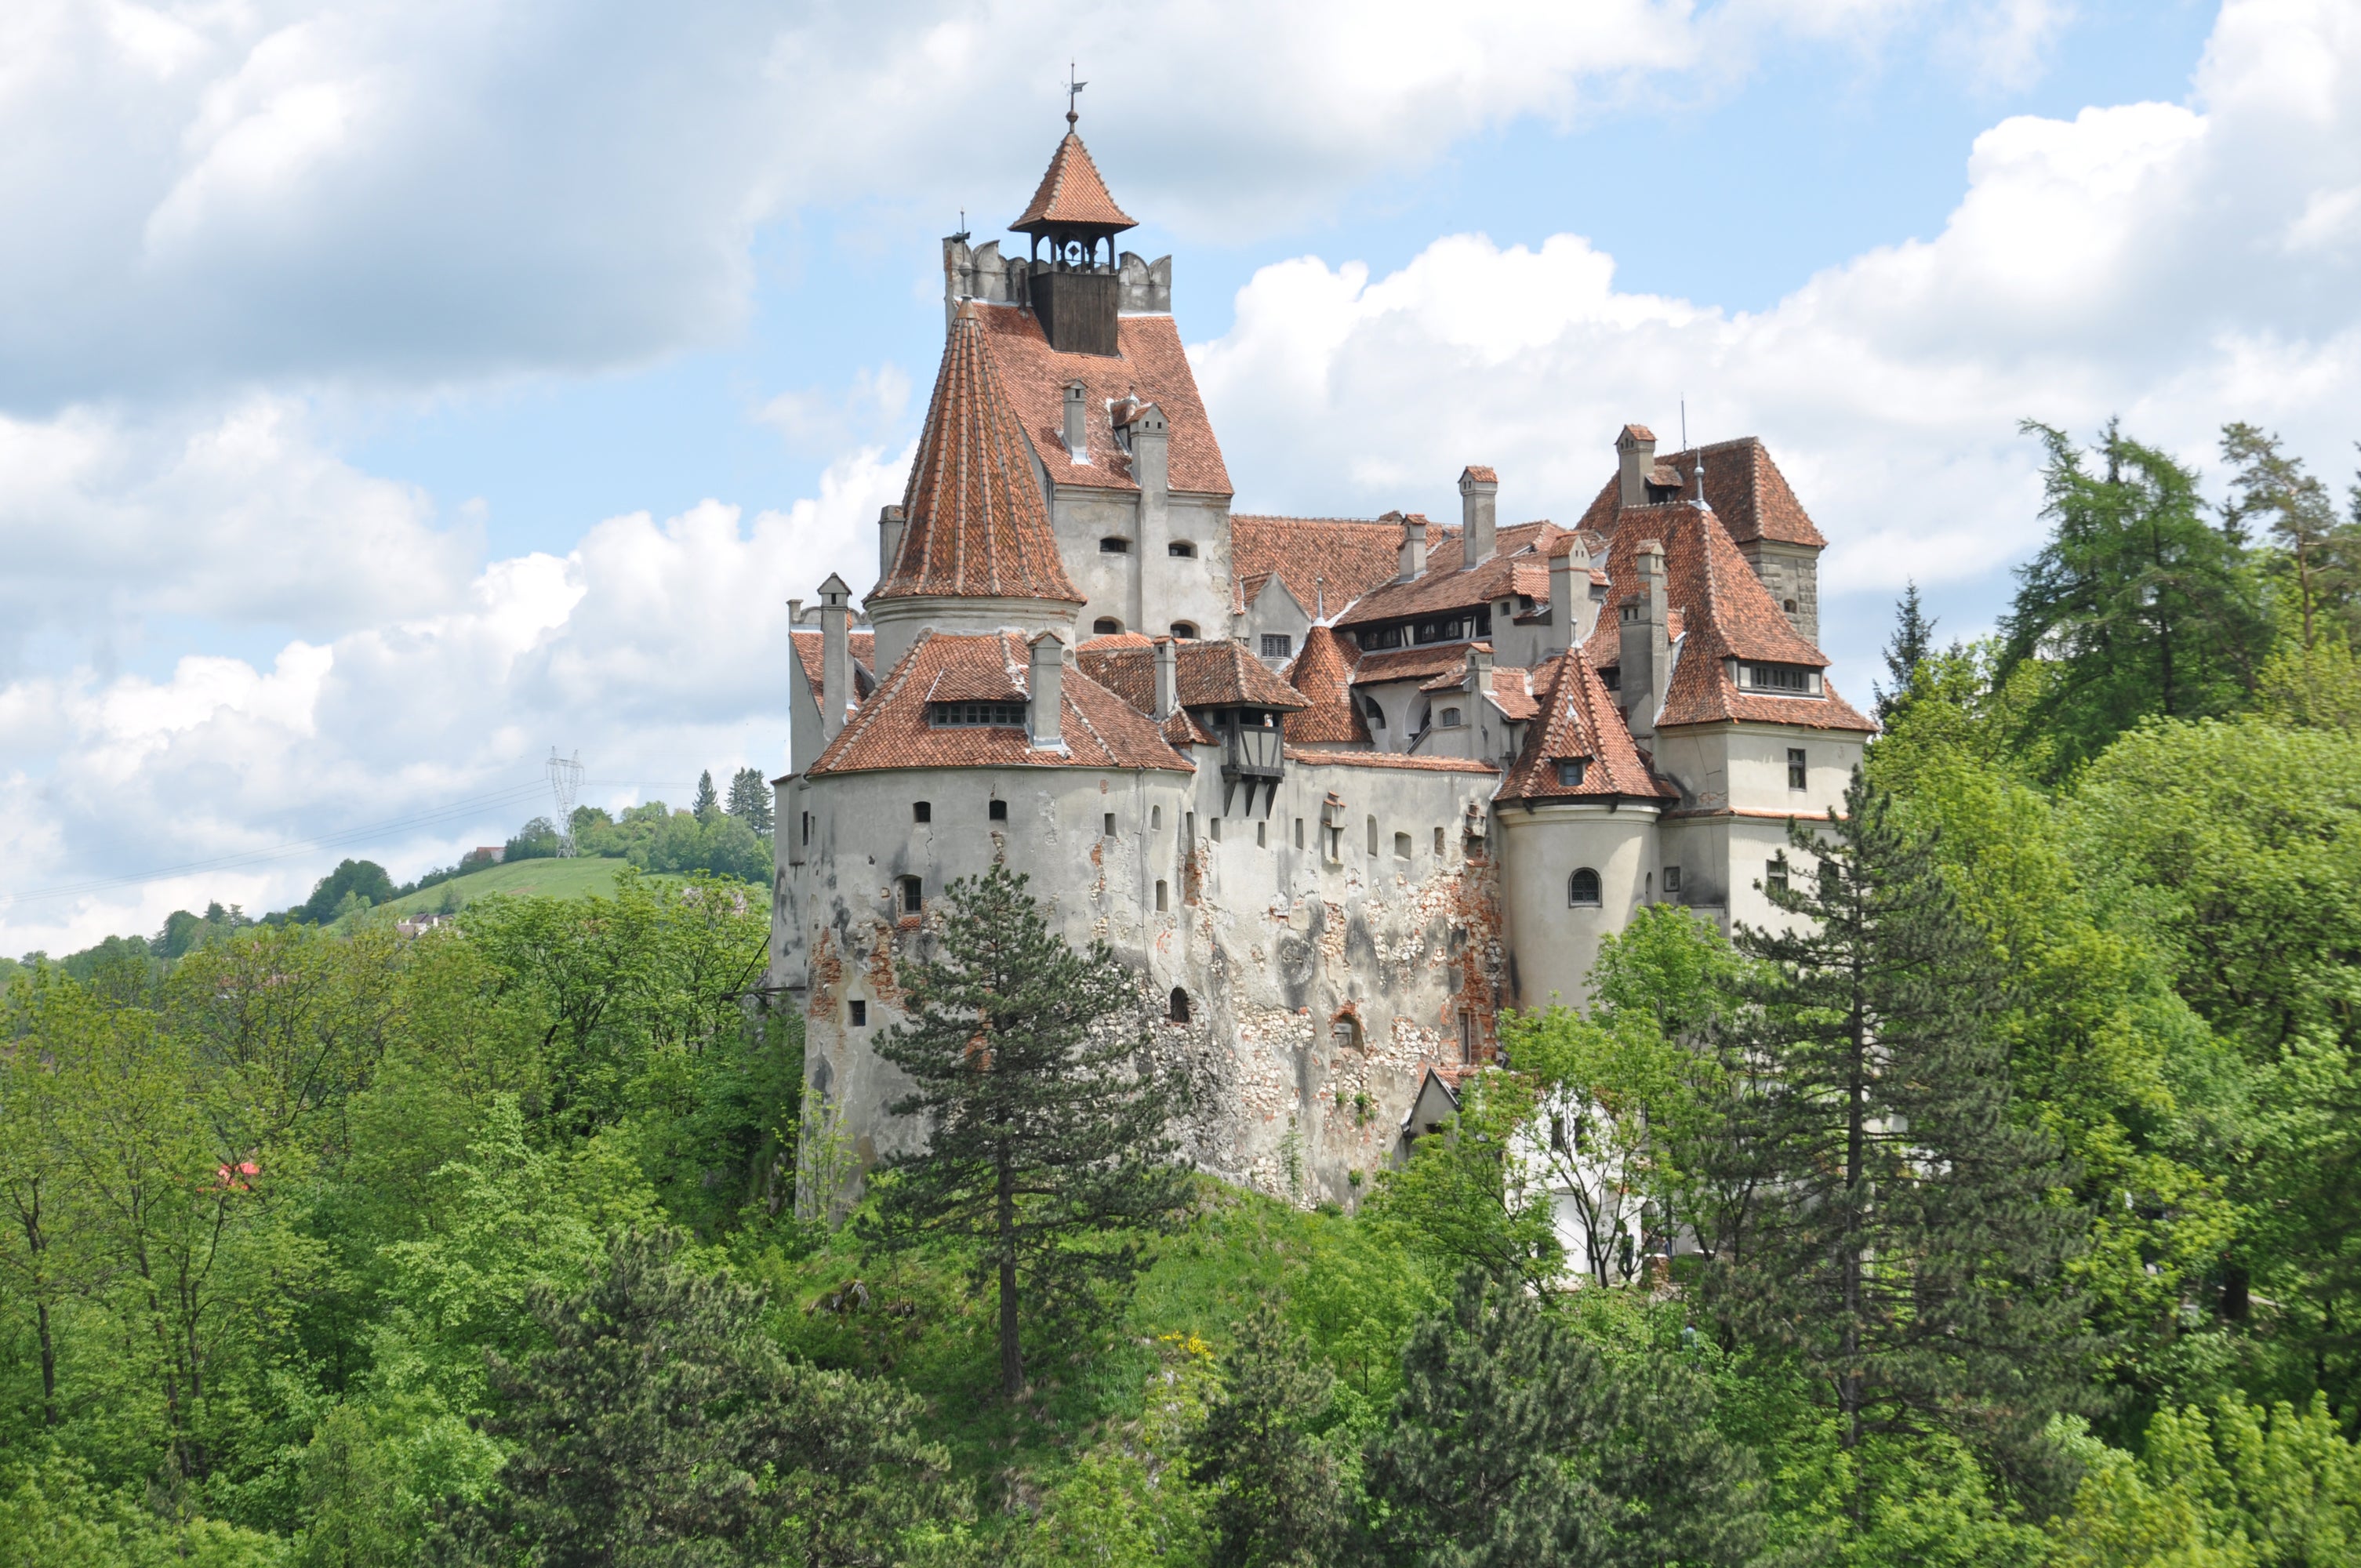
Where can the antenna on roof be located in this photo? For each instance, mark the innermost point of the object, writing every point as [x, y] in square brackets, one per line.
[1073, 90]
[1684, 424]
[962, 235]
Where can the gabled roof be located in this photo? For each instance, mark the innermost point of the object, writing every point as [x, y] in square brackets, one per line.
[1578, 721]
[810, 653]
[892, 730]
[1207, 673]
[1325, 562]
[977, 525]
[1148, 360]
[1323, 671]
[1744, 485]
[1511, 690]
[1723, 612]
[1519, 564]
[1410, 663]
[1072, 191]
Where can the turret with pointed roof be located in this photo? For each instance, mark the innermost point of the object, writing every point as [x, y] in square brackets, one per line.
[977, 552]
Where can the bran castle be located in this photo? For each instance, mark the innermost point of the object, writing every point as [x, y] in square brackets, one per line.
[1342, 790]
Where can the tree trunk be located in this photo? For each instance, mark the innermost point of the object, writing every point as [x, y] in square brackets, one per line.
[49, 1363]
[1856, 1162]
[1012, 1354]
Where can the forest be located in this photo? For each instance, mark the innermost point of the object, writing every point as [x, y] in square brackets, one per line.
[2006, 1210]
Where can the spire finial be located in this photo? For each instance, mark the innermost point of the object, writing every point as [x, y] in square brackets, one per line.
[1073, 90]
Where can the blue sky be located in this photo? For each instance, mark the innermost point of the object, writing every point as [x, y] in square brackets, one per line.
[401, 389]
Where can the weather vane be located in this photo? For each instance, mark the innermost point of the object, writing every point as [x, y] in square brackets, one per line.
[1073, 90]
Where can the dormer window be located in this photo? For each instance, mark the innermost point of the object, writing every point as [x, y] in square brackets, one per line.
[971, 715]
[1182, 549]
[1784, 680]
[1570, 770]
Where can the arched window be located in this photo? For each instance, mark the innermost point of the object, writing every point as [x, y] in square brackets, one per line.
[1185, 630]
[913, 894]
[1582, 889]
[1107, 626]
[1178, 1012]
[1450, 720]
[1374, 714]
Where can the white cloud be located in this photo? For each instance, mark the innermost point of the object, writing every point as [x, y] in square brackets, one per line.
[655, 648]
[2133, 260]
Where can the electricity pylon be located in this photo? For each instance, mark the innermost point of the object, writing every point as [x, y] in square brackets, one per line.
[565, 784]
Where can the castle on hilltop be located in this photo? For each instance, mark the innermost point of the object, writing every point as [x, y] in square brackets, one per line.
[1342, 790]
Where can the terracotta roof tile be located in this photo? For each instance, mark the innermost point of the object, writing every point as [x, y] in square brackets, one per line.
[1208, 673]
[1520, 565]
[1072, 191]
[810, 653]
[1741, 483]
[1325, 562]
[1148, 359]
[891, 728]
[1480, 473]
[1323, 671]
[1579, 721]
[1724, 612]
[1512, 690]
[1410, 663]
[977, 523]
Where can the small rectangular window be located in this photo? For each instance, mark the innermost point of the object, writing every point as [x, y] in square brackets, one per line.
[1438, 842]
[1373, 835]
[858, 1013]
[1108, 827]
[1402, 846]
[1216, 826]
[997, 811]
[1276, 644]
[1162, 901]
[1189, 827]
[1796, 773]
[1299, 832]
[975, 715]
[1570, 770]
[1181, 549]
[1774, 873]
[1115, 546]
[1672, 879]
[913, 894]
[1262, 838]
[922, 811]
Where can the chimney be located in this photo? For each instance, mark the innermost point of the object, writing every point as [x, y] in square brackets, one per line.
[1150, 434]
[1647, 649]
[1569, 591]
[1479, 669]
[835, 654]
[1413, 545]
[1168, 677]
[1637, 449]
[1047, 670]
[794, 612]
[1077, 439]
[1478, 489]
[890, 522]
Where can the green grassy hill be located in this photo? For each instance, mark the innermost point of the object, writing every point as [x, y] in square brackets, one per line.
[547, 879]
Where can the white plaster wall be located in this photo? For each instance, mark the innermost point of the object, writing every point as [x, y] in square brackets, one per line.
[1555, 943]
[1745, 766]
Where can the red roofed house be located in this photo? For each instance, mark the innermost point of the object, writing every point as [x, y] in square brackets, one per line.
[1339, 789]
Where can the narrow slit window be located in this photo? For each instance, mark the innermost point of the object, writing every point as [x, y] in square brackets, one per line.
[1216, 826]
[1299, 832]
[1163, 899]
[1262, 837]
[1373, 835]
[1466, 1038]
[1155, 818]
[1106, 827]
[1438, 843]
[1796, 773]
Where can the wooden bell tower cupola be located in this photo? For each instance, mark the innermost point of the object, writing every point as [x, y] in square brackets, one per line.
[1074, 220]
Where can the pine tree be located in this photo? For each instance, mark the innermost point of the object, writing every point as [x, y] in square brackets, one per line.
[661, 1426]
[1909, 1240]
[2318, 556]
[1278, 1498]
[1912, 644]
[708, 805]
[749, 799]
[1514, 1445]
[1046, 1150]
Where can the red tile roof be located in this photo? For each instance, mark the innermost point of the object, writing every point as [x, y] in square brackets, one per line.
[1724, 612]
[811, 654]
[891, 729]
[1578, 719]
[1325, 562]
[1519, 564]
[1148, 359]
[1410, 663]
[1480, 473]
[977, 523]
[1744, 487]
[1072, 191]
[1512, 690]
[1323, 671]
[1210, 673]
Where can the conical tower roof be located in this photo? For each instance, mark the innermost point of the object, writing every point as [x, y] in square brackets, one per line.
[1072, 195]
[977, 526]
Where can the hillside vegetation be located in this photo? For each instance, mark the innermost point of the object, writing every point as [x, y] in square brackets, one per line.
[2008, 1216]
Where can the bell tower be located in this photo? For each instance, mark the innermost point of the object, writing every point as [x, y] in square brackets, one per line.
[1074, 293]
